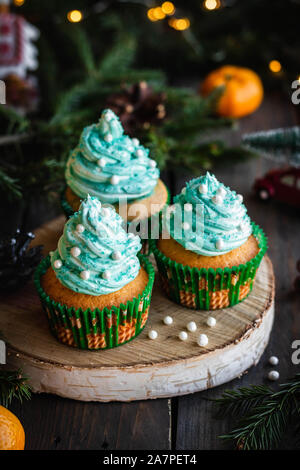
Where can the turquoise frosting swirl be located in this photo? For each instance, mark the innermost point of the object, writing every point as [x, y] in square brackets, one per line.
[110, 165]
[94, 254]
[208, 218]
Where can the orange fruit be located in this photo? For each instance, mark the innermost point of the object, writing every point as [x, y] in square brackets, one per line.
[12, 435]
[243, 90]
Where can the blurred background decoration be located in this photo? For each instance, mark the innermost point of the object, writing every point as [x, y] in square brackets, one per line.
[133, 56]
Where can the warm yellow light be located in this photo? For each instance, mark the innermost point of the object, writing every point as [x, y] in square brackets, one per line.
[158, 13]
[150, 14]
[168, 8]
[299, 79]
[180, 24]
[74, 16]
[275, 66]
[212, 4]
[19, 3]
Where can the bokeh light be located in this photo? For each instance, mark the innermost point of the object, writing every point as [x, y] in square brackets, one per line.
[179, 24]
[168, 8]
[275, 66]
[211, 4]
[19, 3]
[75, 16]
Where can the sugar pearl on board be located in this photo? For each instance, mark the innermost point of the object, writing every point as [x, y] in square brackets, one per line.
[57, 264]
[183, 336]
[135, 142]
[217, 199]
[116, 255]
[185, 225]
[211, 321]
[139, 153]
[152, 334]
[85, 275]
[79, 228]
[202, 340]
[168, 320]
[202, 188]
[188, 207]
[273, 360]
[75, 251]
[101, 162]
[240, 198]
[152, 163]
[108, 138]
[273, 375]
[219, 244]
[115, 179]
[191, 326]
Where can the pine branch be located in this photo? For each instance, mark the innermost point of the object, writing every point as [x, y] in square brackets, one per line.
[83, 47]
[264, 415]
[9, 185]
[13, 385]
[120, 57]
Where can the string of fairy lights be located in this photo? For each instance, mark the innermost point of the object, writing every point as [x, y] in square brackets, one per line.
[165, 11]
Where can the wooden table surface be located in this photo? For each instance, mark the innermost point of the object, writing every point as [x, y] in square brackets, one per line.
[188, 422]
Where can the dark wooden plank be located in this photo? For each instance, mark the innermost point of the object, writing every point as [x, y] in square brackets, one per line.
[53, 423]
[196, 425]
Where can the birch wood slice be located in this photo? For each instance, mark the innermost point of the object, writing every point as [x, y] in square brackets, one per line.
[143, 368]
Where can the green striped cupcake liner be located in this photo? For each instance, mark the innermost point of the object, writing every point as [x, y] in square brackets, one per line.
[96, 329]
[154, 222]
[209, 289]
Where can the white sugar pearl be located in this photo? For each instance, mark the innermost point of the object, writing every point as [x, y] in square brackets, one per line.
[185, 225]
[85, 275]
[191, 326]
[183, 336]
[217, 199]
[75, 251]
[211, 321]
[57, 264]
[105, 275]
[221, 191]
[202, 188]
[202, 340]
[115, 179]
[168, 320]
[135, 142]
[152, 334]
[108, 138]
[79, 228]
[116, 255]
[183, 191]
[219, 244]
[105, 211]
[240, 198]
[273, 375]
[139, 153]
[101, 162]
[152, 163]
[273, 360]
[188, 207]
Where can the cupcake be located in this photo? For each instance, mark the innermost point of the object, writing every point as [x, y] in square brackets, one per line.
[94, 288]
[116, 169]
[209, 251]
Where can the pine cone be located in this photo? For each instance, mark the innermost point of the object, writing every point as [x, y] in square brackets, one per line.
[138, 106]
[17, 262]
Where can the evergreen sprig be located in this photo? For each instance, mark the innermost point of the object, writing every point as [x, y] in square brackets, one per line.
[263, 415]
[13, 385]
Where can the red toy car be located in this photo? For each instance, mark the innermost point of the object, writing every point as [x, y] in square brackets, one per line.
[280, 184]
